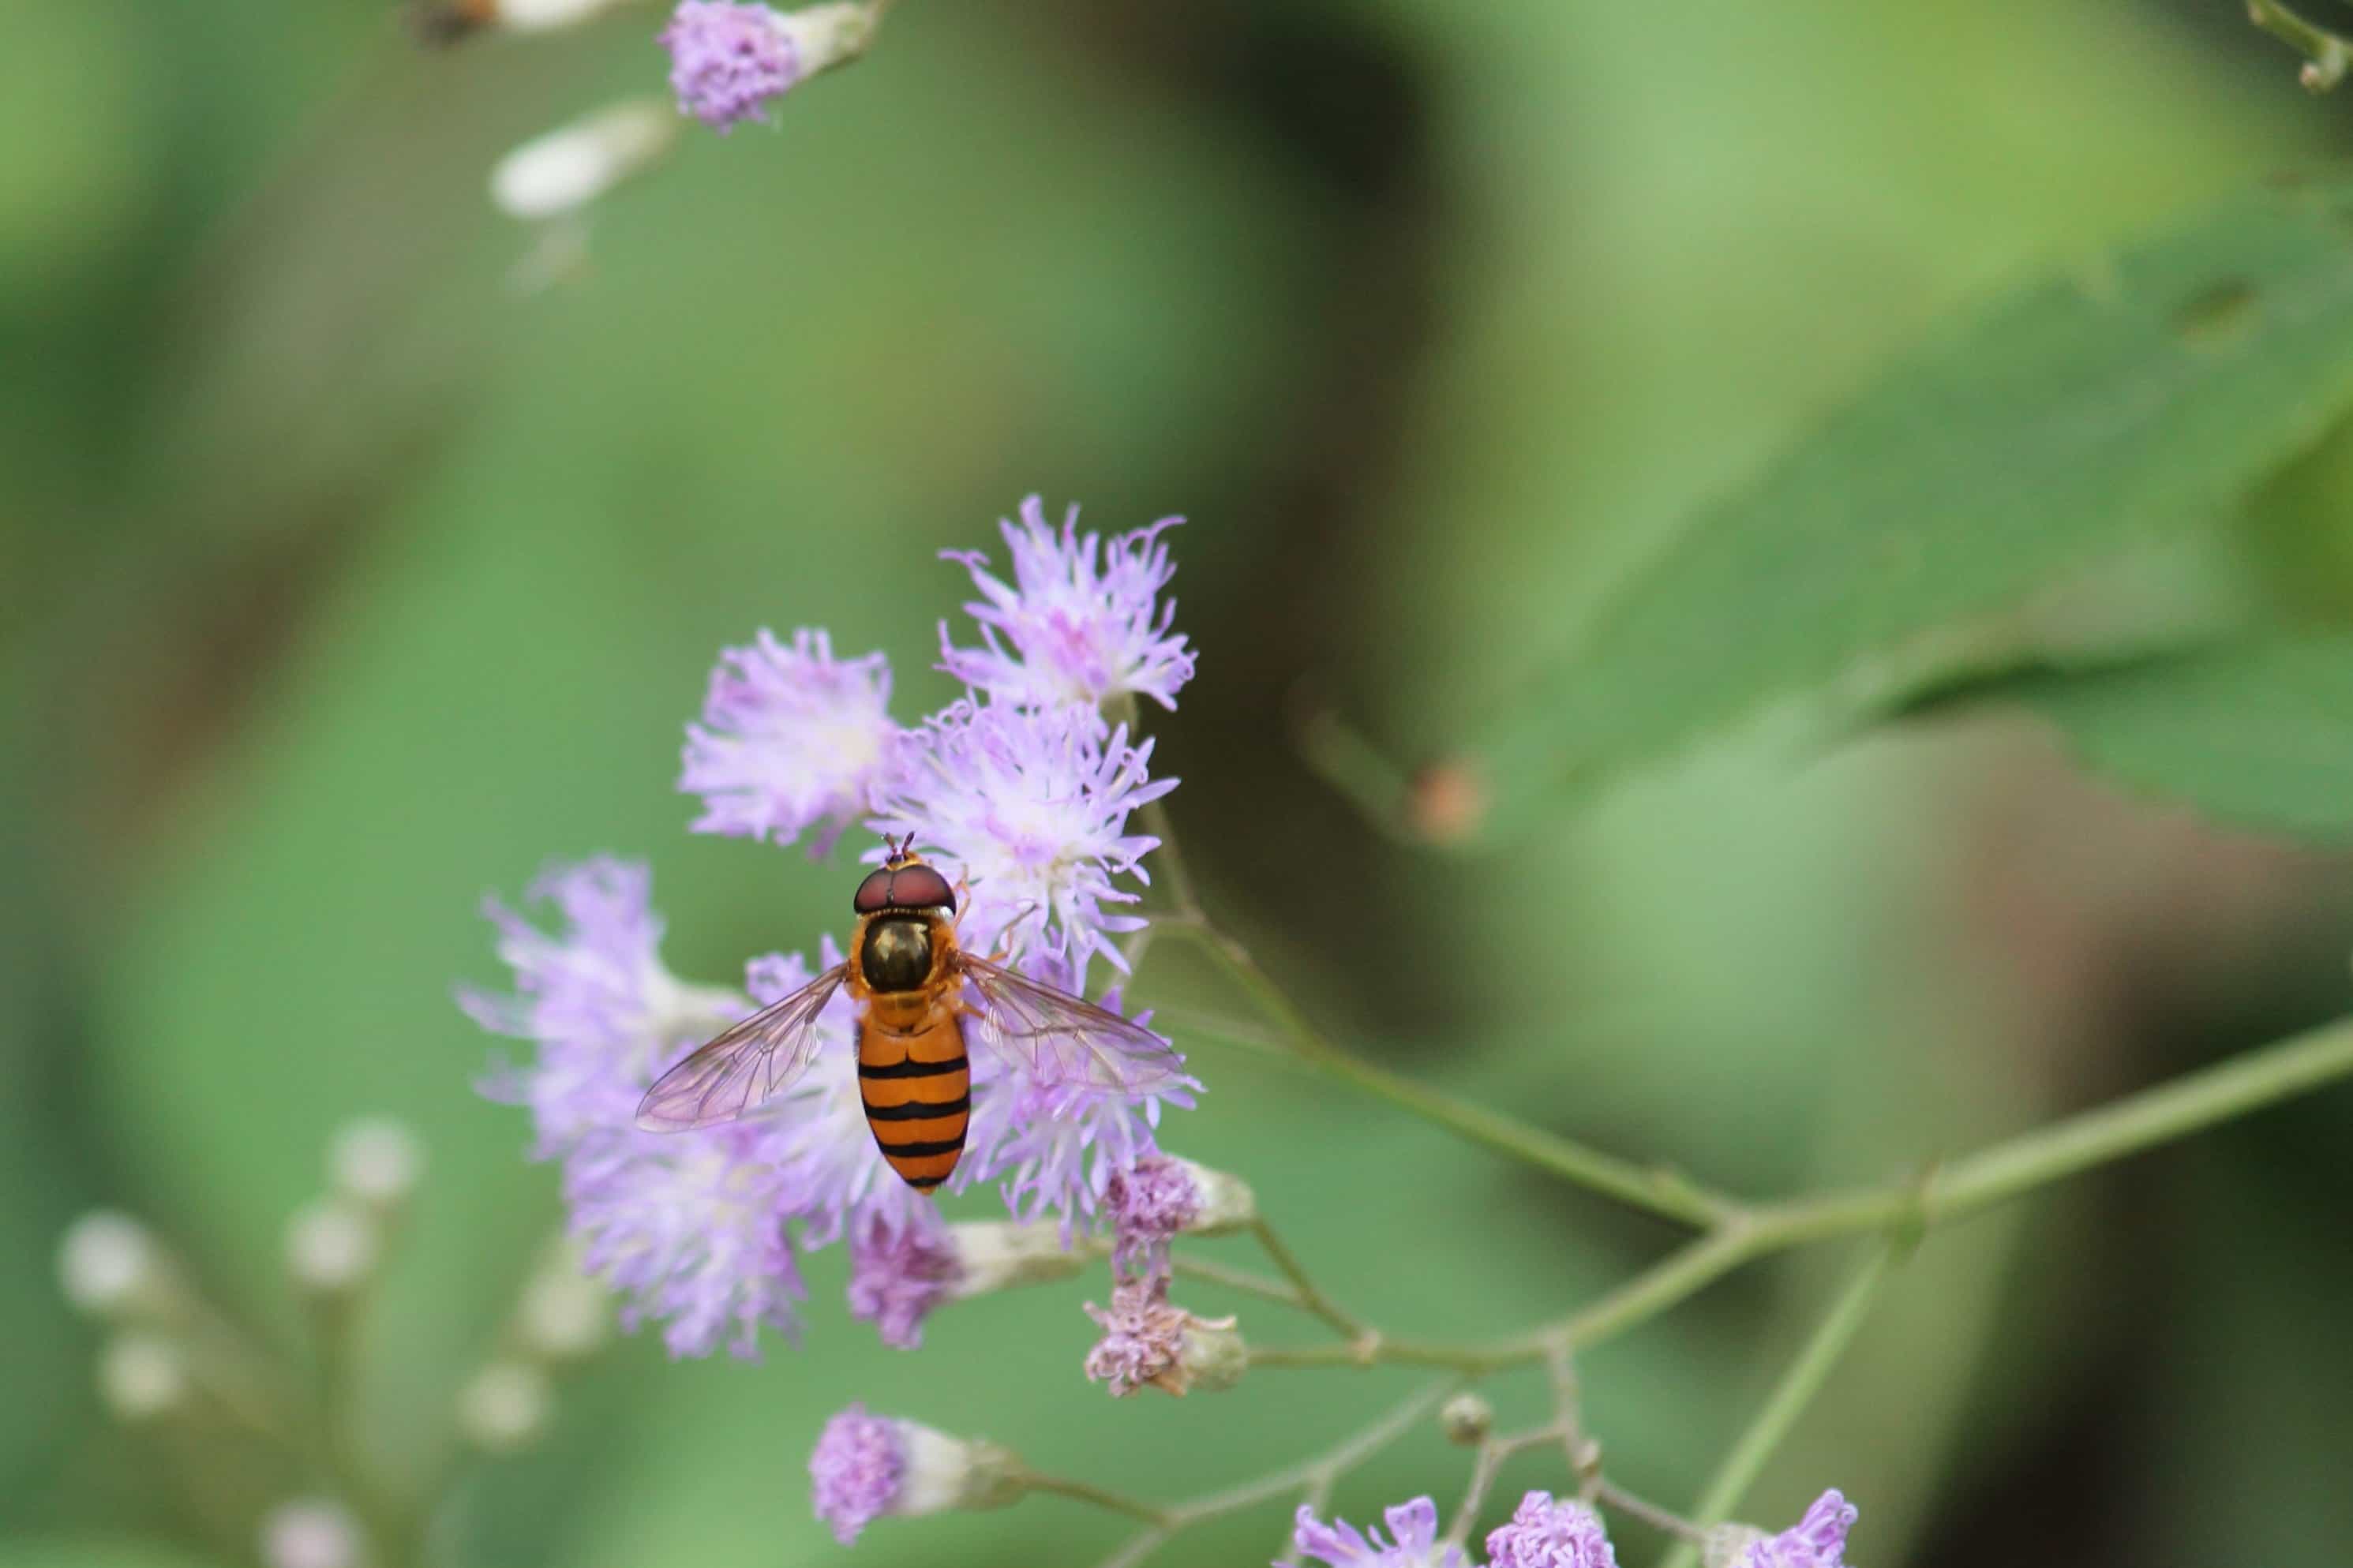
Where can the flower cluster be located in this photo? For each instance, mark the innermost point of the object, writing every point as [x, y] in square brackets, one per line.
[1549, 1532]
[1023, 791]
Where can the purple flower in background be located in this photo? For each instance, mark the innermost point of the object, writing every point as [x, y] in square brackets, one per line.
[855, 1472]
[899, 1272]
[594, 996]
[791, 738]
[1413, 1529]
[1085, 623]
[1549, 1534]
[1817, 1541]
[728, 60]
[1030, 809]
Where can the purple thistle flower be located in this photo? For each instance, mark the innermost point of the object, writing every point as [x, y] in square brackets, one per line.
[1547, 1534]
[856, 1471]
[1030, 809]
[1817, 1541]
[1413, 1544]
[728, 60]
[596, 999]
[898, 1273]
[1085, 624]
[1149, 1202]
[689, 1228]
[791, 738]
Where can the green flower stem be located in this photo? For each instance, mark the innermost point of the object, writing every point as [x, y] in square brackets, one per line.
[1344, 1324]
[2066, 1148]
[1241, 1279]
[2327, 54]
[1663, 1191]
[1102, 1497]
[1790, 1397]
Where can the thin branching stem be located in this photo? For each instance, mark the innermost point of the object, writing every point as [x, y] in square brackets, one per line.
[1789, 1397]
[1311, 1476]
[1663, 1191]
[1311, 1297]
[1967, 1186]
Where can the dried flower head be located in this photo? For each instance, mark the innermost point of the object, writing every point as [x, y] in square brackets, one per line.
[1412, 1543]
[792, 739]
[1546, 1533]
[1079, 624]
[1148, 1342]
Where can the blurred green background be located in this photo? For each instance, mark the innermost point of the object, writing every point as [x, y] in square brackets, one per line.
[341, 583]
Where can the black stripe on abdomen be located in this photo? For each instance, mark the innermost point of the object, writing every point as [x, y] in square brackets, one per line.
[911, 1067]
[919, 1110]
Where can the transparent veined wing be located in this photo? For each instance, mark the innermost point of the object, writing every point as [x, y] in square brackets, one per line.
[751, 1062]
[1058, 1039]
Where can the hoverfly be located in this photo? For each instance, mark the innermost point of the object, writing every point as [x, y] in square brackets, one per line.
[912, 982]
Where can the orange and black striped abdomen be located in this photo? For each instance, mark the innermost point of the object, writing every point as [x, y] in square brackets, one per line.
[918, 1093]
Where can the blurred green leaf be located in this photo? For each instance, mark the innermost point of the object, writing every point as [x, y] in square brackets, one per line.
[2258, 733]
[2069, 420]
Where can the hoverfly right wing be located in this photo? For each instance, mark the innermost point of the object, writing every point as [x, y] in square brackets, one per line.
[748, 1063]
[1057, 1038]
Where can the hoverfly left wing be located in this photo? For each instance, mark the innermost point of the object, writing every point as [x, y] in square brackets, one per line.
[751, 1062]
[1058, 1039]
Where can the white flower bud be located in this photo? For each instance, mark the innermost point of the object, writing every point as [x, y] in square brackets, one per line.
[1466, 1418]
[996, 1253]
[567, 169]
[548, 16]
[376, 1162]
[505, 1407]
[110, 1266]
[564, 1316]
[142, 1376]
[945, 1472]
[311, 1533]
[331, 1249]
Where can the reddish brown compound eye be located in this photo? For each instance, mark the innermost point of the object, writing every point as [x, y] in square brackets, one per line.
[921, 887]
[874, 893]
[907, 887]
